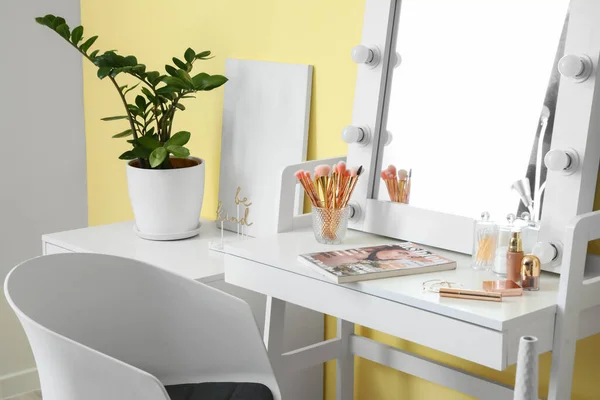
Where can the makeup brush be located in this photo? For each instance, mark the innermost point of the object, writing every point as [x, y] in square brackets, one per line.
[402, 176]
[307, 185]
[354, 174]
[388, 183]
[313, 189]
[406, 198]
[322, 182]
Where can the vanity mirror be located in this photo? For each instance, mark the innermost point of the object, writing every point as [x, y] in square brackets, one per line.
[475, 87]
[471, 96]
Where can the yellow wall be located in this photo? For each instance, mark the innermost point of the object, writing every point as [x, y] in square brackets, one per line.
[316, 32]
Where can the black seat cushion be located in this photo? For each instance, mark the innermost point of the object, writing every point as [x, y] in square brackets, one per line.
[219, 391]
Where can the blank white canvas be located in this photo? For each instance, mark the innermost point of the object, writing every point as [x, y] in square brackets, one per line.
[266, 114]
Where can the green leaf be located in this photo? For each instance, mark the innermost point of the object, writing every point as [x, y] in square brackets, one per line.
[63, 30]
[178, 151]
[175, 82]
[76, 35]
[150, 132]
[189, 55]
[93, 54]
[140, 101]
[171, 70]
[128, 155]
[184, 76]
[188, 97]
[157, 156]
[58, 21]
[46, 20]
[203, 55]
[130, 61]
[149, 94]
[152, 77]
[178, 139]
[179, 63]
[204, 81]
[141, 152]
[123, 134]
[180, 106]
[149, 143]
[114, 118]
[103, 72]
[87, 44]
[131, 88]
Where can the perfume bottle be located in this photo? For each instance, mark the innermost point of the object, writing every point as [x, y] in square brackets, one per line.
[484, 243]
[514, 256]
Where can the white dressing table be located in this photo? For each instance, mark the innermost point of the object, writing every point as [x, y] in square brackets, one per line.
[483, 332]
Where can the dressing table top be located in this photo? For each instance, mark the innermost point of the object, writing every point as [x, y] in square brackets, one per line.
[190, 257]
[281, 251]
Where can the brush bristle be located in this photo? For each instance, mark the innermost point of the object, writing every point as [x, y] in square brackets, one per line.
[402, 174]
[299, 174]
[384, 175]
[347, 172]
[354, 172]
[392, 169]
[322, 170]
[341, 167]
[360, 170]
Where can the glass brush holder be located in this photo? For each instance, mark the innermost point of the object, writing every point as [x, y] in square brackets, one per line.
[484, 243]
[330, 224]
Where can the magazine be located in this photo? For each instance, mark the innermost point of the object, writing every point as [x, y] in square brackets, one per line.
[376, 262]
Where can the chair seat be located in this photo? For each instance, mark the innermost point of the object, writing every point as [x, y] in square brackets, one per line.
[219, 391]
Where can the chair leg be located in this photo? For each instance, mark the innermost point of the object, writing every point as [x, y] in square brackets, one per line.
[345, 363]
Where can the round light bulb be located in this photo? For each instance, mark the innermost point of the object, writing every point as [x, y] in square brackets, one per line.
[388, 138]
[545, 251]
[352, 134]
[557, 160]
[362, 54]
[397, 60]
[571, 66]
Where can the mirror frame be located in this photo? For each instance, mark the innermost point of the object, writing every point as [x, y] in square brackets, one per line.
[576, 127]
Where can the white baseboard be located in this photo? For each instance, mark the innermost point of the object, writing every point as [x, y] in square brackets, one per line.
[19, 383]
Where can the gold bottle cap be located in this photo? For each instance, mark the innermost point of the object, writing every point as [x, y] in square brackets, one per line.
[515, 244]
[530, 266]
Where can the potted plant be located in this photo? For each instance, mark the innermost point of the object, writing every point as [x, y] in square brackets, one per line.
[166, 185]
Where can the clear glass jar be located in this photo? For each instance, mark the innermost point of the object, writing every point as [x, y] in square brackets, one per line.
[329, 224]
[484, 243]
[504, 232]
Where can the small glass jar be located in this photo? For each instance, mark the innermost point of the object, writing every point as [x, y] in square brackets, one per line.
[504, 232]
[484, 243]
[329, 224]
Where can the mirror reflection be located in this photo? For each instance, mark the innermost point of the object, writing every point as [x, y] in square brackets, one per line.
[473, 95]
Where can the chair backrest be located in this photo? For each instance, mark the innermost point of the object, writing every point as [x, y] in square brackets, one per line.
[76, 307]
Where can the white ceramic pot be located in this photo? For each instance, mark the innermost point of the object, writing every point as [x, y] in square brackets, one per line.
[166, 201]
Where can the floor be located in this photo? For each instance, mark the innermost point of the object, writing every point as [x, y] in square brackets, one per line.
[37, 395]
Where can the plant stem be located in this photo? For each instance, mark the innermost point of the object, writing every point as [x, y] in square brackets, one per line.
[124, 100]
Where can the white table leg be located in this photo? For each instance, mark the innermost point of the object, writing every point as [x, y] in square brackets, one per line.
[273, 336]
[345, 363]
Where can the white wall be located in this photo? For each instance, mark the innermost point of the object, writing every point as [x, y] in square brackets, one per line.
[42, 153]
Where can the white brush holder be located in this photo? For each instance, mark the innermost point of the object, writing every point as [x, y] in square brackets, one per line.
[526, 384]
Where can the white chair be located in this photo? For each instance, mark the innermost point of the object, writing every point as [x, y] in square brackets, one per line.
[111, 328]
